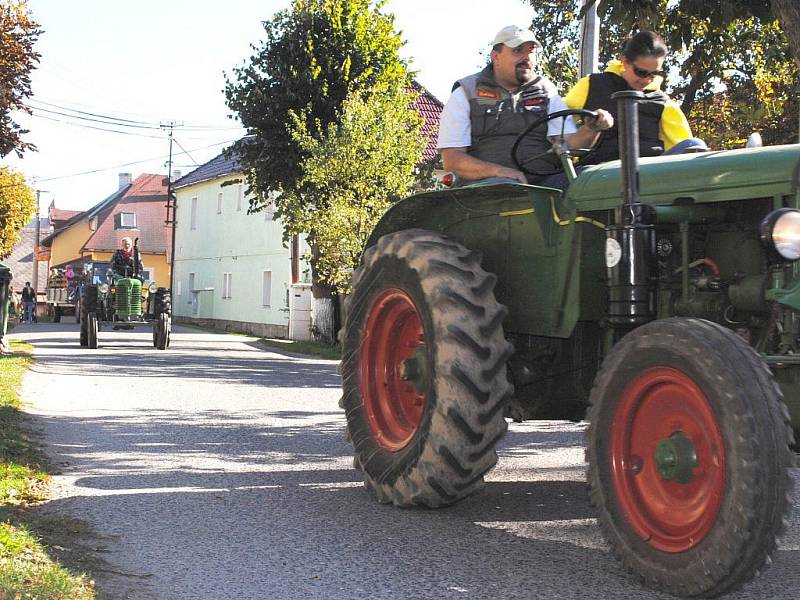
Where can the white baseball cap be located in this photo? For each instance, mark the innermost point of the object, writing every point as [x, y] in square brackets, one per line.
[513, 35]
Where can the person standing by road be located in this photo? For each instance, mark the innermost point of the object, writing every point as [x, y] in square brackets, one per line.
[663, 127]
[28, 302]
[489, 109]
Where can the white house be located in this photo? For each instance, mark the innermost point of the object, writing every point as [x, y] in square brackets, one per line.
[232, 270]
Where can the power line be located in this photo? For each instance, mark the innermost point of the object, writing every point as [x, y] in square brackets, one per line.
[84, 126]
[136, 162]
[186, 152]
[122, 121]
[75, 110]
[144, 135]
[79, 117]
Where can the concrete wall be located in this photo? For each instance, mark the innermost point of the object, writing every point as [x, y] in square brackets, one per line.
[255, 329]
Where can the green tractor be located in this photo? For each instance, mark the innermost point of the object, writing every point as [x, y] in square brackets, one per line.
[125, 303]
[669, 318]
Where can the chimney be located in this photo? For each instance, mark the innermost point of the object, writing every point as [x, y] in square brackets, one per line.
[176, 174]
[124, 180]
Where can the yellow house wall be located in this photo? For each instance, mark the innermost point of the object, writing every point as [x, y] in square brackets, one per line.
[66, 246]
[159, 266]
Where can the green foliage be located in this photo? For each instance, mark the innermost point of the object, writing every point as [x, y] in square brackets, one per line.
[351, 176]
[315, 55]
[17, 206]
[18, 34]
[26, 571]
[762, 95]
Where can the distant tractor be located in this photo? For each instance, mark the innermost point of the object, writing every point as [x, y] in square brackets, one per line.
[124, 303]
[670, 319]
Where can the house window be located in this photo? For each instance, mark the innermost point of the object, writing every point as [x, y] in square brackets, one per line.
[93, 224]
[193, 219]
[226, 285]
[219, 203]
[239, 196]
[266, 289]
[147, 274]
[125, 220]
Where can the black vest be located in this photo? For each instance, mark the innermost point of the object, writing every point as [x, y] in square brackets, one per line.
[601, 86]
[497, 117]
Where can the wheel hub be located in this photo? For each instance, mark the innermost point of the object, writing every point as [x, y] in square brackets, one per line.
[667, 459]
[676, 458]
[415, 369]
[394, 369]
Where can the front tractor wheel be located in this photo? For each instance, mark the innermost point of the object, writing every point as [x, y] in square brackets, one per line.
[689, 456]
[424, 370]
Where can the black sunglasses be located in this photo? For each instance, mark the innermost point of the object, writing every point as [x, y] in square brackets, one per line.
[644, 74]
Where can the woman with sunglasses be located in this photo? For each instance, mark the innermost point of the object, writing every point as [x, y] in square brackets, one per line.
[662, 125]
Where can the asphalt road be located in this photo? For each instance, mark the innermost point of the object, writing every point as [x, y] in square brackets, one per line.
[218, 469]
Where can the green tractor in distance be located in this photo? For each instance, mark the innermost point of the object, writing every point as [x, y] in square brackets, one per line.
[126, 304]
[669, 318]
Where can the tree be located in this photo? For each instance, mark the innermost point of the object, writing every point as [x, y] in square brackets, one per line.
[323, 60]
[717, 15]
[18, 33]
[17, 205]
[315, 55]
[351, 176]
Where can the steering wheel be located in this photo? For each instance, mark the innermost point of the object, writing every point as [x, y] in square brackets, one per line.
[552, 150]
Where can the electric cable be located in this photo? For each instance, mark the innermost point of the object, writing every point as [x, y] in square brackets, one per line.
[136, 162]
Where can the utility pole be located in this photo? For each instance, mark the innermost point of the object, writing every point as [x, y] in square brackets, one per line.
[171, 207]
[590, 40]
[36, 246]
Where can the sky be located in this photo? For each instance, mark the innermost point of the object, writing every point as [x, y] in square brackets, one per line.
[156, 62]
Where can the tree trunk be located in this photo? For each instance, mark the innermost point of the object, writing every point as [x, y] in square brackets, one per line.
[788, 14]
[323, 313]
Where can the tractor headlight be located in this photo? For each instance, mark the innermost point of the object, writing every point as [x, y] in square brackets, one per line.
[152, 287]
[780, 231]
[103, 287]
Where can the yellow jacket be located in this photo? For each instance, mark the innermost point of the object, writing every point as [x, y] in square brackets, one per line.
[673, 128]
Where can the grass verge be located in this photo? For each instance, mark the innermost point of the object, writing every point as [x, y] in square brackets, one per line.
[26, 570]
[310, 348]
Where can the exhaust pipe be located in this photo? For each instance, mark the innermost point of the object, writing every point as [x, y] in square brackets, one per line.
[630, 242]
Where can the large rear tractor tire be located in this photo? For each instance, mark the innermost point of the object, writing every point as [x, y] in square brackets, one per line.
[91, 330]
[424, 370]
[689, 457]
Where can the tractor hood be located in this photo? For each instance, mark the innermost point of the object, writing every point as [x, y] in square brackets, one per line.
[703, 177]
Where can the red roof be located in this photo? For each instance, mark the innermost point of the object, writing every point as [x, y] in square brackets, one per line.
[59, 215]
[146, 197]
[430, 107]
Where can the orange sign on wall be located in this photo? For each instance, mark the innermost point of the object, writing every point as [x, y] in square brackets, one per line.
[41, 253]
